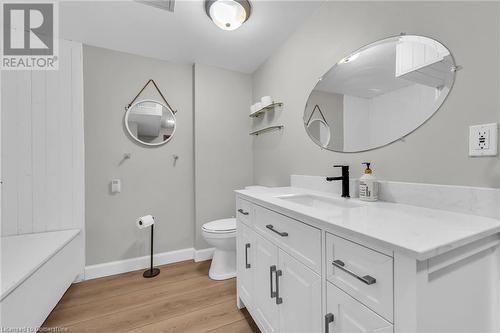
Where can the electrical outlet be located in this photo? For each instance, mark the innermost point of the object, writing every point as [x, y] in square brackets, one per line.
[483, 140]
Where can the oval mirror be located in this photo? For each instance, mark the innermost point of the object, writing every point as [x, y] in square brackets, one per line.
[150, 122]
[379, 94]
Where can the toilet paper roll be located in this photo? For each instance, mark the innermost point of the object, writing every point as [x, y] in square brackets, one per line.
[266, 101]
[145, 221]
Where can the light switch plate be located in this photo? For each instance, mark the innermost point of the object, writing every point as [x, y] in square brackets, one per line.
[483, 140]
[116, 186]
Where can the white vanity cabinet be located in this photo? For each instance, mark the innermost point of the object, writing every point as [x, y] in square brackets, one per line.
[301, 272]
[282, 293]
[279, 277]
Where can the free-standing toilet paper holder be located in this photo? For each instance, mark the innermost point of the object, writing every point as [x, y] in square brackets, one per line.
[152, 271]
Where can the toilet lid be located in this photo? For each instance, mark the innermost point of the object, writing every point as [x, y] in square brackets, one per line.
[224, 225]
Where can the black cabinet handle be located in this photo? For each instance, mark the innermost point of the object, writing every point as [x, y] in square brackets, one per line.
[329, 318]
[365, 279]
[282, 234]
[243, 212]
[279, 273]
[272, 270]
[247, 246]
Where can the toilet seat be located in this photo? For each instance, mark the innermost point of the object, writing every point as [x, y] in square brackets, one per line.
[222, 226]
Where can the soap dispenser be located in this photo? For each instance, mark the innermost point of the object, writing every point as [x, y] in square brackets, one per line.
[368, 185]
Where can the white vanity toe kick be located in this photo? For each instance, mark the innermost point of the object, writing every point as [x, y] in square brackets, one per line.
[421, 233]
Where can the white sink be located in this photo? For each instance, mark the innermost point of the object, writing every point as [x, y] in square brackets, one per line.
[320, 202]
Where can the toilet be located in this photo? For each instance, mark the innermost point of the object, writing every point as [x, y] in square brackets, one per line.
[221, 234]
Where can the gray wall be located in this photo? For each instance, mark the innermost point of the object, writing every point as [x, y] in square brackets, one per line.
[150, 181]
[223, 148]
[438, 151]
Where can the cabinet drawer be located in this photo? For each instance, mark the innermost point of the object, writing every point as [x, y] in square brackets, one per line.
[244, 211]
[365, 274]
[299, 239]
[345, 314]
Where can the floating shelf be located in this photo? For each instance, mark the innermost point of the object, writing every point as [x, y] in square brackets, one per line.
[265, 109]
[267, 129]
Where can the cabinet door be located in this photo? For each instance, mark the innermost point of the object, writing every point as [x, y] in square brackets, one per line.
[245, 263]
[350, 316]
[300, 290]
[265, 307]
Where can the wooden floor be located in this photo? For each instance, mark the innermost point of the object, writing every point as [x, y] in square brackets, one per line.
[181, 299]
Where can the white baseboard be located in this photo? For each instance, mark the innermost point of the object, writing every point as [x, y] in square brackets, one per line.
[205, 254]
[133, 264]
[80, 277]
[128, 265]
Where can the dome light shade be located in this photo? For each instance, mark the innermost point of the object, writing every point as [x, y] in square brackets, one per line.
[228, 14]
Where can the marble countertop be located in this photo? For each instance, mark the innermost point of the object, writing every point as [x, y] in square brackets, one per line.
[421, 233]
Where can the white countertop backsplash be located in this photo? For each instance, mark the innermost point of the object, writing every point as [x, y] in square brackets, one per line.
[479, 201]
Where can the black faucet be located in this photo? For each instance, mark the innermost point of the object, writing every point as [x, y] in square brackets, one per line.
[344, 179]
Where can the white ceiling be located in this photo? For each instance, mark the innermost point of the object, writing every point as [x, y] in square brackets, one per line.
[371, 74]
[187, 35]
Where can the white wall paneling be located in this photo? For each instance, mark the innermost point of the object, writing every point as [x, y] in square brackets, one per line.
[42, 146]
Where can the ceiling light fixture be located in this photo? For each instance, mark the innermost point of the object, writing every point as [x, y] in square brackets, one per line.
[228, 14]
